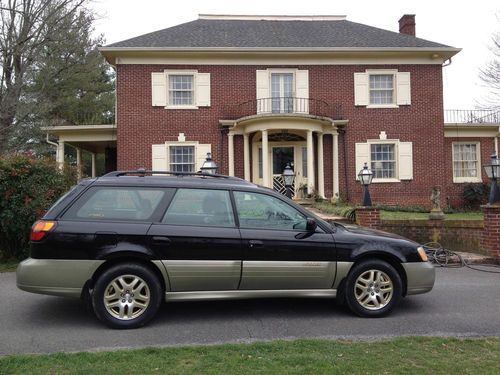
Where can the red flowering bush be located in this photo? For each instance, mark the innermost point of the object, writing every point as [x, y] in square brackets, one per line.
[28, 187]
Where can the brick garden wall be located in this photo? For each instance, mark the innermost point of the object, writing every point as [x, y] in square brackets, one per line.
[455, 235]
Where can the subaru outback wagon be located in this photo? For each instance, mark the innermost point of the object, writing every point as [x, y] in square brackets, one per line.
[127, 241]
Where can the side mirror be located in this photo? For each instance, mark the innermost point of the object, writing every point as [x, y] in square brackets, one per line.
[311, 225]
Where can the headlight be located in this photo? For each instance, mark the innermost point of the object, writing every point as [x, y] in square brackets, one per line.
[422, 253]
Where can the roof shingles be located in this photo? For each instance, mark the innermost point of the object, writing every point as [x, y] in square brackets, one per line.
[223, 33]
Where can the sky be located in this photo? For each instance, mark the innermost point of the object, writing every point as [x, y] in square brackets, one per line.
[469, 25]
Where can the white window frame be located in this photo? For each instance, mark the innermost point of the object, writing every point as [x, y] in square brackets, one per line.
[272, 71]
[461, 180]
[168, 74]
[393, 72]
[396, 161]
[394, 142]
[282, 103]
[169, 148]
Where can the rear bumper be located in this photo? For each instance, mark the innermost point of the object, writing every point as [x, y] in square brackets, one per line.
[420, 277]
[57, 277]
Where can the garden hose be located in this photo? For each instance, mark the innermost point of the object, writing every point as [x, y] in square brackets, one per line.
[449, 259]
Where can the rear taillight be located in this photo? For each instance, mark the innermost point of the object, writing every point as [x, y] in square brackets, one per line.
[40, 229]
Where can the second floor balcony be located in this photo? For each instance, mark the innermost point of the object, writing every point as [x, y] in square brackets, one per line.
[283, 106]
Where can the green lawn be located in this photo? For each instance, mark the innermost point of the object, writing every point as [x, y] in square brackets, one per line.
[343, 209]
[399, 215]
[396, 356]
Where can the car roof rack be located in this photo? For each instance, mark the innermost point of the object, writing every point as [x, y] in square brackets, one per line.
[141, 172]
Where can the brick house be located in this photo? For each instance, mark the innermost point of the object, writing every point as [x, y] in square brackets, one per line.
[320, 93]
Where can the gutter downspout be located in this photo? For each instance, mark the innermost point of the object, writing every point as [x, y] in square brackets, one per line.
[53, 144]
[496, 141]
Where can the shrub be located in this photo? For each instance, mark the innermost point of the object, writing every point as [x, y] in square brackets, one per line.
[475, 195]
[28, 187]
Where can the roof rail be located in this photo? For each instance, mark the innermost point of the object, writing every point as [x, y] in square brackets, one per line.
[141, 172]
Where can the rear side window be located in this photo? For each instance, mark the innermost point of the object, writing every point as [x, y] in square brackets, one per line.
[200, 207]
[116, 203]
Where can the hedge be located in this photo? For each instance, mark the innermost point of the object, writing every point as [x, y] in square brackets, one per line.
[28, 187]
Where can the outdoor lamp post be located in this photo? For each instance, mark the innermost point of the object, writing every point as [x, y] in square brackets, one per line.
[365, 178]
[209, 166]
[288, 177]
[493, 172]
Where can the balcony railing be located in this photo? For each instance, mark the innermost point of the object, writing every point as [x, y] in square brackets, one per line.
[458, 116]
[283, 105]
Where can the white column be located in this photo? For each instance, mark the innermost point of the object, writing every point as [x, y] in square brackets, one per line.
[60, 154]
[230, 150]
[246, 157]
[93, 166]
[321, 172]
[310, 162]
[335, 152]
[79, 163]
[265, 160]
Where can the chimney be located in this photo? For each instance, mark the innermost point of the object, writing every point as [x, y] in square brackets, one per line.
[407, 24]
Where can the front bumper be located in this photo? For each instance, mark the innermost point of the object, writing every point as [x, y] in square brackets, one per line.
[420, 277]
[57, 277]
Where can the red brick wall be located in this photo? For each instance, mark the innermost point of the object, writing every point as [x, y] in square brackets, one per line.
[454, 191]
[455, 235]
[368, 217]
[490, 239]
[140, 125]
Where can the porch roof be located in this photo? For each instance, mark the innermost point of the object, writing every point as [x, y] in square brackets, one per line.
[92, 138]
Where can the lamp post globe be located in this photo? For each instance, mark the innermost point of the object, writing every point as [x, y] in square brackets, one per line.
[493, 172]
[209, 166]
[288, 178]
[365, 178]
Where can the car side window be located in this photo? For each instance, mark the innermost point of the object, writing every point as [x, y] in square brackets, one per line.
[201, 207]
[115, 203]
[264, 211]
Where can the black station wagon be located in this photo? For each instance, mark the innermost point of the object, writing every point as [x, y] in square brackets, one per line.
[127, 241]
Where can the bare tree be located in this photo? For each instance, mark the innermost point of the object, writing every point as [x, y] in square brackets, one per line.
[490, 75]
[26, 26]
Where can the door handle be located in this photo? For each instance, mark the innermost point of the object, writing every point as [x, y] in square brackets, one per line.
[161, 240]
[255, 243]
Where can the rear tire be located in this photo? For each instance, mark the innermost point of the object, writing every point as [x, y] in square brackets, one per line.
[373, 288]
[126, 296]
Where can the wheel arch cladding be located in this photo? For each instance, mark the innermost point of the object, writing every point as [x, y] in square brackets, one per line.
[128, 258]
[390, 258]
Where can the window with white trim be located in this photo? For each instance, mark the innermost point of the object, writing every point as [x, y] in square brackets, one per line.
[381, 89]
[466, 166]
[383, 160]
[181, 158]
[389, 159]
[180, 89]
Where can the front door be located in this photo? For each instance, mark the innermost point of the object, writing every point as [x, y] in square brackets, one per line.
[277, 251]
[281, 157]
[296, 156]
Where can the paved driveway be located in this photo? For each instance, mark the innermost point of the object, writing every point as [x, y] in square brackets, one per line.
[463, 303]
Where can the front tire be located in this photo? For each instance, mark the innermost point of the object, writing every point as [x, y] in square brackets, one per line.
[373, 289]
[126, 296]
